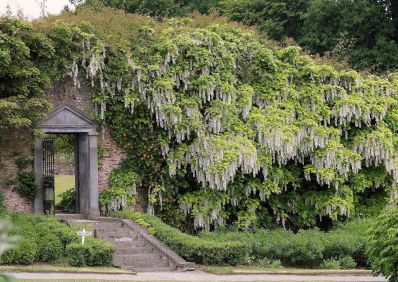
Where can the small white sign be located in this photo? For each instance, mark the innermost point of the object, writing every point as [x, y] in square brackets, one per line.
[83, 234]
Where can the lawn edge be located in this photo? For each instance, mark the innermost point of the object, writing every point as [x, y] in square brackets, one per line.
[311, 272]
[60, 269]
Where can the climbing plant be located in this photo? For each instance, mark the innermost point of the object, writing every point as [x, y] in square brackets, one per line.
[222, 127]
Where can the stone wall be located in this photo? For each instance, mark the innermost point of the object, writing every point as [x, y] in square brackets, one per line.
[13, 150]
[64, 168]
[112, 157]
[59, 93]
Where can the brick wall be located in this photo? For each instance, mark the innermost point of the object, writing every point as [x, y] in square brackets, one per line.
[11, 151]
[111, 159]
[59, 93]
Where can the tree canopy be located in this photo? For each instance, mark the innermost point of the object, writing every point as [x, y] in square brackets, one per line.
[363, 32]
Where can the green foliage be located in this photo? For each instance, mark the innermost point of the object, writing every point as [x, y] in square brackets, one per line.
[307, 248]
[21, 81]
[347, 262]
[27, 185]
[93, 253]
[383, 244]
[43, 238]
[222, 124]
[64, 146]
[49, 248]
[122, 193]
[330, 264]
[68, 200]
[362, 31]
[23, 162]
[158, 8]
[136, 216]
[199, 250]
[2, 203]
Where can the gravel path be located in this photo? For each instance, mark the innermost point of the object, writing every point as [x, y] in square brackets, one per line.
[194, 276]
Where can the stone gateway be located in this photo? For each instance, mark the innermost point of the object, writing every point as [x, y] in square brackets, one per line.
[66, 119]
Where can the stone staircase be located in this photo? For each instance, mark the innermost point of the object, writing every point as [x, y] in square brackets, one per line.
[137, 250]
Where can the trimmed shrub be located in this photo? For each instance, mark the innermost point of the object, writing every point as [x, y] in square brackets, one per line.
[101, 253]
[302, 250]
[307, 248]
[94, 252]
[78, 254]
[136, 216]
[330, 264]
[347, 262]
[49, 248]
[383, 244]
[46, 239]
[26, 251]
[197, 249]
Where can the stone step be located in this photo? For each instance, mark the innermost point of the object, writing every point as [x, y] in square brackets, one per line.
[116, 233]
[127, 244]
[107, 225]
[138, 257]
[135, 251]
[124, 239]
[116, 238]
[151, 269]
[147, 263]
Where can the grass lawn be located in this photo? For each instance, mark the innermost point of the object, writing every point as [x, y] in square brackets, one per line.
[266, 270]
[63, 183]
[42, 268]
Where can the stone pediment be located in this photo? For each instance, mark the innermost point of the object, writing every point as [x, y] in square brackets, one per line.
[67, 117]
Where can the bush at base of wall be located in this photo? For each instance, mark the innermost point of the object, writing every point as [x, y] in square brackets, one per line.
[196, 249]
[340, 248]
[45, 239]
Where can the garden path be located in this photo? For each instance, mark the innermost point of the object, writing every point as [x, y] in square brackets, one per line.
[195, 276]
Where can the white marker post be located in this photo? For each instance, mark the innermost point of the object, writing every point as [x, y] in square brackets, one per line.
[83, 234]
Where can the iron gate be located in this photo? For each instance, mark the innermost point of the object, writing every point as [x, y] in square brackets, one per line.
[48, 175]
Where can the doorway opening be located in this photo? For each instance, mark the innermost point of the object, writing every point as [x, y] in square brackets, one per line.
[71, 138]
[65, 180]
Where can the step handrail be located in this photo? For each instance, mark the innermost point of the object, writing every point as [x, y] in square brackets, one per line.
[180, 263]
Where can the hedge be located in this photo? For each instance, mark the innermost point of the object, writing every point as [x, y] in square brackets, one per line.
[307, 248]
[92, 253]
[45, 239]
[343, 247]
[196, 249]
[382, 248]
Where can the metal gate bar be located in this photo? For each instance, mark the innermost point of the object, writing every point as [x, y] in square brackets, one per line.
[48, 175]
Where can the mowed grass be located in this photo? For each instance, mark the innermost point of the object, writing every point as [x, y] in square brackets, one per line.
[49, 268]
[63, 183]
[228, 270]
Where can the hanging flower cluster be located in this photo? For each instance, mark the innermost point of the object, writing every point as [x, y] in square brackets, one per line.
[233, 106]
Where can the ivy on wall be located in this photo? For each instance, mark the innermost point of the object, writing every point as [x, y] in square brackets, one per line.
[223, 128]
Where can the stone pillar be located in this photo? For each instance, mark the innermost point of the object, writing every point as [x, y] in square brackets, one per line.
[84, 196]
[93, 176]
[77, 185]
[38, 168]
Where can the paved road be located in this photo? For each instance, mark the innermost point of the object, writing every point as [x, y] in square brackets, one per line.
[194, 276]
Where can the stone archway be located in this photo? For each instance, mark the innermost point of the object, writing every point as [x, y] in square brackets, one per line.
[66, 119]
